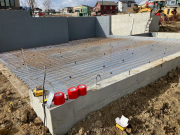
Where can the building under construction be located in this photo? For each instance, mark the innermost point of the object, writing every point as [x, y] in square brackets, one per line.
[110, 59]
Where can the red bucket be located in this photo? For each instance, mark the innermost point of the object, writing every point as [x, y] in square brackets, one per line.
[59, 98]
[73, 93]
[82, 89]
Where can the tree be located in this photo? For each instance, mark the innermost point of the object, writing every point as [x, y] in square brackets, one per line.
[29, 3]
[47, 4]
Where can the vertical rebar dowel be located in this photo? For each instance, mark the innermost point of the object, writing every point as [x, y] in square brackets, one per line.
[44, 94]
[26, 67]
[97, 77]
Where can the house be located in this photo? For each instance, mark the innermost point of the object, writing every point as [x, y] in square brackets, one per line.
[172, 3]
[77, 9]
[68, 9]
[123, 5]
[86, 10]
[50, 10]
[37, 9]
[105, 7]
[7, 4]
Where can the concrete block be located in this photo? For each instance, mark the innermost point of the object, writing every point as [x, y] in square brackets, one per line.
[130, 89]
[38, 108]
[147, 81]
[63, 117]
[159, 75]
[166, 35]
[176, 62]
[167, 66]
[83, 113]
[97, 105]
[133, 79]
[97, 96]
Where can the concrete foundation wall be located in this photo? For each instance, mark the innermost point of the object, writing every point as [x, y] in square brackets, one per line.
[19, 30]
[102, 26]
[166, 35]
[129, 24]
[65, 116]
[81, 27]
[154, 26]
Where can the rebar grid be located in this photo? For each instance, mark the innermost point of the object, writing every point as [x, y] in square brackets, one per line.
[80, 61]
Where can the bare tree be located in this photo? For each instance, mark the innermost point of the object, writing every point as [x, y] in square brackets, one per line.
[23, 3]
[29, 3]
[47, 4]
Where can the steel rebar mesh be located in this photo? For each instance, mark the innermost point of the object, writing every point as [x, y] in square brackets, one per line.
[80, 61]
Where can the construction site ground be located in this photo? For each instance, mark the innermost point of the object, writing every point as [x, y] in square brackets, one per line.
[152, 110]
[16, 115]
[172, 26]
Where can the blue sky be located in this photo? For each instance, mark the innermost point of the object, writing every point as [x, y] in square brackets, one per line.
[57, 4]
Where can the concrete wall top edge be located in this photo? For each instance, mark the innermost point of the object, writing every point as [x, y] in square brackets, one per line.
[133, 72]
[145, 38]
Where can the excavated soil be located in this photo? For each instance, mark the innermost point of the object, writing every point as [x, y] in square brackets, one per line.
[152, 110]
[173, 26]
[16, 115]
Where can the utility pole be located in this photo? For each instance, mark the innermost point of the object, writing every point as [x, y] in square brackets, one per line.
[102, 7]
[62, 10]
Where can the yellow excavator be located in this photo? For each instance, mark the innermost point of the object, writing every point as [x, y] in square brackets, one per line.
[166, 7]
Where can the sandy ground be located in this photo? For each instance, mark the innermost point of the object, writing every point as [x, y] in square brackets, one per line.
[16, 115]
[152, 110]
[173, 26]
[16, 82]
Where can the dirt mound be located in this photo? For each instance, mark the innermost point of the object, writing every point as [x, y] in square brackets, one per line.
[16, 116]
[153, 109]
[170, 27]
[133, 9]
[178, 10]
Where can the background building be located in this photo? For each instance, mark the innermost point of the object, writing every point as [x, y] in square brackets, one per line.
[68, 9]
[123, 5]
[105, 7]
[6, 4]
[86, 10]
[77, 9]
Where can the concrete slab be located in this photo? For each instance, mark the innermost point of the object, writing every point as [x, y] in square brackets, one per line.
[75, 110]
[166, 35]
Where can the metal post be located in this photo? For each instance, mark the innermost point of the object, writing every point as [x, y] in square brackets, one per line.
[102, 7]
[44, 95]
